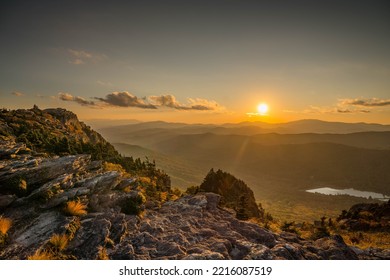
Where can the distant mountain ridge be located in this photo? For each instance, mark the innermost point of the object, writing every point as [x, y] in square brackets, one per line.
[252, 128]
[279, 167]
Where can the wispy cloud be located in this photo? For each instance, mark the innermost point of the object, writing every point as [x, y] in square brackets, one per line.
[348, 111]
[365, 102]
[78, 57]
[17, 93]
[64, 96]
[125, 99]
[348, 106]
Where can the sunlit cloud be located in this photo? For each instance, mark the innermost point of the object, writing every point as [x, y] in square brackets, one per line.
[125, 99]
[204, 104]
[348, 111]
[170, 101]
[17, 93]
[365, 102]
[64, 96]
[129, 100]
[79, 57]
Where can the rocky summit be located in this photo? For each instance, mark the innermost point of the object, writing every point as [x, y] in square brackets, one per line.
[77, 207]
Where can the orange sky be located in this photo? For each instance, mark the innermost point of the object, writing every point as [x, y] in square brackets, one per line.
[199, 61]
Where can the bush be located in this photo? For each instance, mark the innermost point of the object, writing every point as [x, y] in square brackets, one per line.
[289, 227]
[192, 190]
[320, 232]
[132, 206]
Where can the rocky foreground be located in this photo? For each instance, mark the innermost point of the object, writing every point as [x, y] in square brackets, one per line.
[191, 227]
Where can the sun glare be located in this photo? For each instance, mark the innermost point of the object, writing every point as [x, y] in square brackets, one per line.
[262, 109]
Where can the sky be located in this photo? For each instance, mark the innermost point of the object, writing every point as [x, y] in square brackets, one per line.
[199, 61]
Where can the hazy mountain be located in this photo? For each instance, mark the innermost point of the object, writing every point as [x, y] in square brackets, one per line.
[278, 167]
[244, 128]
[150, 134]
[102, 123]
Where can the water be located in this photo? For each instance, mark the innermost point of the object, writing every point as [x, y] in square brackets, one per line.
[351, 192]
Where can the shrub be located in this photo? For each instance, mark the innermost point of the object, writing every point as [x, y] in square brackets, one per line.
[59, 241]
[108, 166]
[192, 190]
[320, 232]
[17, 185]
[132, 206]
[5, 225]
[75, 208]
[289, 227]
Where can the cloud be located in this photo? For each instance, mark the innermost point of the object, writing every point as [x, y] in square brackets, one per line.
[170, 101]
[348, 111]
[79, 57]
[337, 109]
[17, 93]
[64, 96]
[366, 102]
[125, 99]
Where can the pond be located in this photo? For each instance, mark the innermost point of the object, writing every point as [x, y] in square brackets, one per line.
[351, 192]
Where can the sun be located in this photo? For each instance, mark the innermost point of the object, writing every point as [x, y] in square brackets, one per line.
[262, 109]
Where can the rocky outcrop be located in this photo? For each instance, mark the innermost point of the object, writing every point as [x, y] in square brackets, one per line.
[366, 217]
[191, 227]
[235, 194]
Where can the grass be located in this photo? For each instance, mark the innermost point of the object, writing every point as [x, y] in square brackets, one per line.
[75, 208]
[59, 241]
[5, 225]
[365, 240]
[42, 255]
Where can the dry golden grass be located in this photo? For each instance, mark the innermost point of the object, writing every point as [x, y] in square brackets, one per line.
[365, 240]
[59, 241]
[42, 255]
[75, 208]
[102, 254]
[5, 225]
[108, 166]
[127, 189]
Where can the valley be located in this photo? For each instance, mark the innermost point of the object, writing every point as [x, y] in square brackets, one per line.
[278, 167]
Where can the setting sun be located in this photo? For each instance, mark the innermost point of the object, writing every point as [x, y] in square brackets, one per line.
[262, 109]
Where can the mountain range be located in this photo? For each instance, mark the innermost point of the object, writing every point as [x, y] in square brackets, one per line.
[66, 193]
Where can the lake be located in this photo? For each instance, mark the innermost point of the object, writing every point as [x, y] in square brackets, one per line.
[351, 192]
